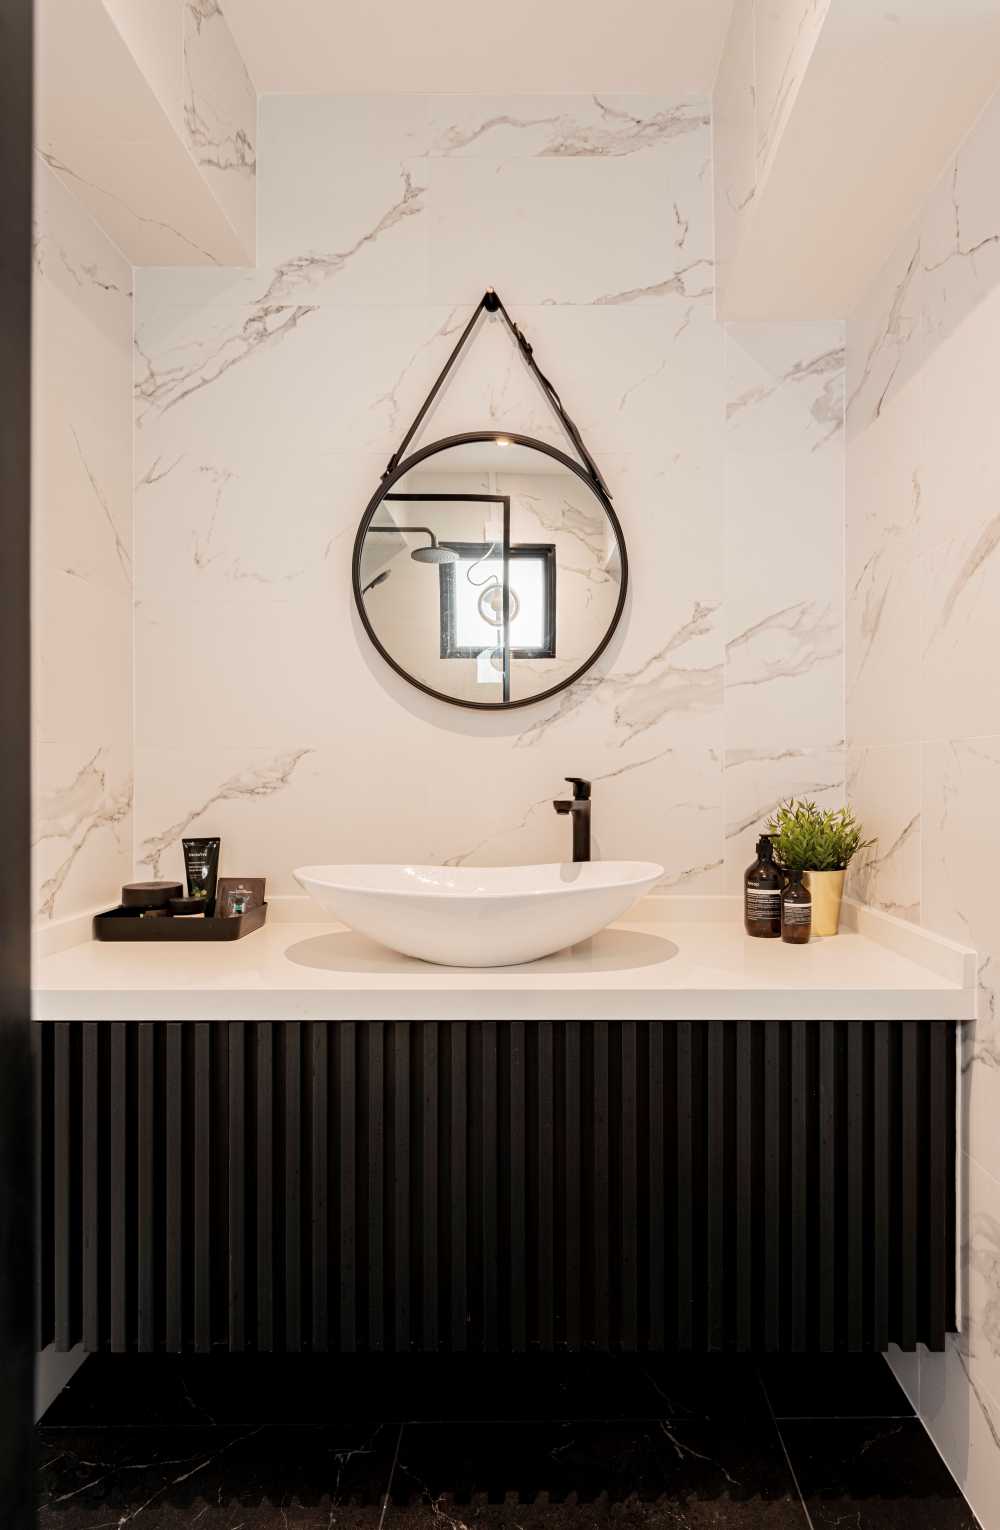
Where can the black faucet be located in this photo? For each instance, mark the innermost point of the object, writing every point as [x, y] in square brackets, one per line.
[579, 808]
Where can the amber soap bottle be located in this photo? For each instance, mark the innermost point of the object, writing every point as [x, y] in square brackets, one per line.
[796, 910]
[762, 886]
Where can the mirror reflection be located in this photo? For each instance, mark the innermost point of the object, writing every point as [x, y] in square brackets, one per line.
[491, 572]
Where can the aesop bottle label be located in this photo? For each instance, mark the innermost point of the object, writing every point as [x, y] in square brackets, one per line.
[797, 913]
[763, 902]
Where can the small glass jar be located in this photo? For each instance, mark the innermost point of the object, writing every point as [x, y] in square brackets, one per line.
[796, 910]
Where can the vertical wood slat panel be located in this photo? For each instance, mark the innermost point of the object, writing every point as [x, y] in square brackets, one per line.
[263, 1043]
[545, 1284]
[656, 1198]
[173, 1189]
[744, 1187]
[63, 1157]
[798, 1208]
[375, 1111]
[826, 1274]
[853, 1184]
[627, 1192]
[716, 1189]
[429, 1209]
[772, 1188]
[881, 1166]
[292, 1035]
[684, 1242]
[940, 1227]
[90, 1208]
[401, 1184]
[118, 1171]
[458, 1166]
[236, 1263]
[146, 1125]
[221, 1157]
[572, 1271]
[601, 1127]
[320, 1181]
[348, 1229]
[488, 1189]
[855, 1213]
[517, 1229]
[204, 1247]
[909, 1169]
[44, 1185]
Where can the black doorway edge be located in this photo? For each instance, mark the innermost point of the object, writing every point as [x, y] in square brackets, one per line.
[16, 1127]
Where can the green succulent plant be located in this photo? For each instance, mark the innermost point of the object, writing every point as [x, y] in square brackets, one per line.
[808, 838]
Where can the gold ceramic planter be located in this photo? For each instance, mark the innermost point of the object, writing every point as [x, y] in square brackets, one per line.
[827, 890]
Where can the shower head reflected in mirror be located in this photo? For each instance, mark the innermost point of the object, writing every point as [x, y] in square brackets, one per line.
[432, 554]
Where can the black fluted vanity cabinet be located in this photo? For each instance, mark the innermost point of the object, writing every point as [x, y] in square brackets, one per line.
[485, 1186]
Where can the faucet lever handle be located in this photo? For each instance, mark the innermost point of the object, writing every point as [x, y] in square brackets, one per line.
[581, 788]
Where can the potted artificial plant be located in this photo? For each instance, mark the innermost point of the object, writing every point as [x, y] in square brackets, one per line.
[822, 842]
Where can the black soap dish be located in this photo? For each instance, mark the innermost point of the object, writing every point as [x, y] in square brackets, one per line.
[124, 924]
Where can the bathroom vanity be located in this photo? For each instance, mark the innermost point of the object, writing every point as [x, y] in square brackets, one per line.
[303, 1141]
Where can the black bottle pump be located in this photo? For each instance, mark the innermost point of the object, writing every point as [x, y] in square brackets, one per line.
[762, 885]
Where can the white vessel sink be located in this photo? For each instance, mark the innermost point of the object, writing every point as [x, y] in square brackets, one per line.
[473, 916]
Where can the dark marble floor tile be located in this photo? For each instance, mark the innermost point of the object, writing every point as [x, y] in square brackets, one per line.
[873, 1474]
[833, 1386]
[91, 1479]
[564, 1476]
[234, 1390]
[703, 1387]
[473, 1388]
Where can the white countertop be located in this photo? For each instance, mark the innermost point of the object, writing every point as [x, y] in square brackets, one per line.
[673, 958]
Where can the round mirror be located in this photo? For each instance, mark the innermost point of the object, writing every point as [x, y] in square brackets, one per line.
[490, 570]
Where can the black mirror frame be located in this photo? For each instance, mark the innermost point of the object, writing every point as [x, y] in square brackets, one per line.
[467, 439]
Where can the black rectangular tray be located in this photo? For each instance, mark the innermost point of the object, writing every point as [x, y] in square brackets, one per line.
[122, 924]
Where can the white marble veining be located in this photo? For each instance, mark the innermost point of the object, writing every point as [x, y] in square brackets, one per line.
[884, 787]
[961, 840]
[558, 127]
[980, 1342]
[783, 534]
[734, 159]
[785, 34]
[220, 114]
[161, 151]
[758, 780]
[923, 696]
[329, 346]
[82, 558]
[764, 61]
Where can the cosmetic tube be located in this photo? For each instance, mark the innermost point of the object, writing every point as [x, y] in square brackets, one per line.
[201, 865]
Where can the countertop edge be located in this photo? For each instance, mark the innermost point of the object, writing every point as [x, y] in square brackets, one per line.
[920, 1005]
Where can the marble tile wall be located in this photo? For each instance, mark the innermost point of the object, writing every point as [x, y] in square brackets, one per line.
[164, 154]
[923, 695]
[268, 402]
[82, 558]
[785, 34]
[219, 113]
[764, 61]
[189, 58]
[783, 553]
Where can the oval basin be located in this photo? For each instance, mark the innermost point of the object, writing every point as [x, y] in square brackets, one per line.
[480, 916]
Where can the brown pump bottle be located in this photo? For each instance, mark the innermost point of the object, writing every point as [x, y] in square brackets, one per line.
[796, 911]
[762, 885]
